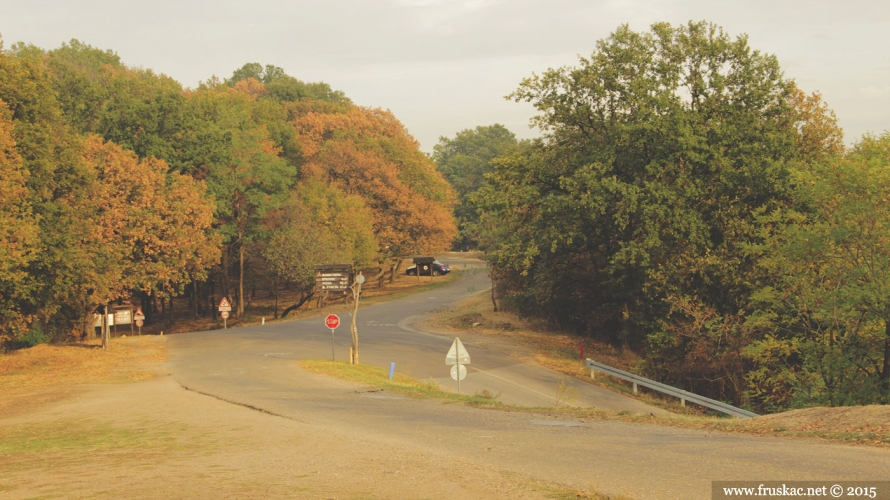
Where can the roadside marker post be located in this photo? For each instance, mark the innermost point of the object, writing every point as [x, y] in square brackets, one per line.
[332, 322]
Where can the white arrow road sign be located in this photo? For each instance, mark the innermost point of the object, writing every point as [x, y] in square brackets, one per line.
[457, 354]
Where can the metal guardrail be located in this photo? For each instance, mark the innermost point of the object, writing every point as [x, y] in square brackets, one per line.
[666, 389]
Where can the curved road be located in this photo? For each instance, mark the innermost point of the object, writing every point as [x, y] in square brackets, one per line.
[256, 366]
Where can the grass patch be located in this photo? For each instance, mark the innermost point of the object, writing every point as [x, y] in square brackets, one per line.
[402, 385]
[89, 435]
[51, 371]
[63, 443]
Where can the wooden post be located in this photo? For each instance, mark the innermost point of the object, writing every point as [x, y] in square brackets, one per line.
[356, 292]
[105, 328]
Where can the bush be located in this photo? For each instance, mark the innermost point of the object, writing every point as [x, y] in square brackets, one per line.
[35, 336]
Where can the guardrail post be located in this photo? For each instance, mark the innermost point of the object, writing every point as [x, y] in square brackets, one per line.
[635, 388]
[593, 374]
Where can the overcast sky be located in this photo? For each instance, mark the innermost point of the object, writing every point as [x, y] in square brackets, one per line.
[445, 65]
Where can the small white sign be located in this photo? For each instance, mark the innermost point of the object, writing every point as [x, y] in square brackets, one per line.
[457, 354]
[454, 372]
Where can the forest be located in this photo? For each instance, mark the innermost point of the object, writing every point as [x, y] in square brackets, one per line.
[685, 200]
[691, 203]
[118, 184]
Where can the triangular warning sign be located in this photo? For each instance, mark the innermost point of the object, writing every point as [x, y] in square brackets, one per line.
[224, 305]
[457, 354]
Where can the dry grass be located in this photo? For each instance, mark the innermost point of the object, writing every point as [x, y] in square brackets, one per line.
[49, 372]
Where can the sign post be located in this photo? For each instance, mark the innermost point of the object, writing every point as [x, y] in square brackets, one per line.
[332, 322]
[224, 309]
[356, 294]
[457, 356]
[140, 319]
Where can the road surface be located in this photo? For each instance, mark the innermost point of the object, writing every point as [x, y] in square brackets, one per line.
[257, 367]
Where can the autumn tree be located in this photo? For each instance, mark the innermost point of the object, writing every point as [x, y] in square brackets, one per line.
[152, 228]
[18, 231]
[368, 153]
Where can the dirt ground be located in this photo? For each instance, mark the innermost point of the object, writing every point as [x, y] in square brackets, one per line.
[150, 438]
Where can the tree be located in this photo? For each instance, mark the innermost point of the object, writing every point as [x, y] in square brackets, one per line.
[659, 150]
[135, 108]
[368, 153]
[285, 88]
[464, 161]
[240, 164]
[151, 227]
[319, 225]
[50, 154]
[18, 231]
[826, 314]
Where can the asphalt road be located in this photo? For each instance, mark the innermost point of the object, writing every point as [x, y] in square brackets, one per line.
[256, 367]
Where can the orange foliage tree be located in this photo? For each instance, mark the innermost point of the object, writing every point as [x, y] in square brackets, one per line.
[152, 228]
[367, 152]
[18, 232]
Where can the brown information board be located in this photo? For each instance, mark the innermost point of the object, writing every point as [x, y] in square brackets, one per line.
[333, 277]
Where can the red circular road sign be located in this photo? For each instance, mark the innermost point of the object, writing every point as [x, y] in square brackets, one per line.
[224, 314]
[332, 321]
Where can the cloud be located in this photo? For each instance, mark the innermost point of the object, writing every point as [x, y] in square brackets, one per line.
[874, 91]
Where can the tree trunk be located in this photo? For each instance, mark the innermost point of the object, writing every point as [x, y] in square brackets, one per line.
[885, 374]
[240, 281]
[303, 300]
[395, 270]
[146, 307]
[195, 297]
[276, 297]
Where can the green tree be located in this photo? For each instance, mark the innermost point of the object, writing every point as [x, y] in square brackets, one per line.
[56, 181]
[659, 150]
[135, 108]
[318, 225]
[464, 161]
[826, 314]
[283, 87]
[242, 168]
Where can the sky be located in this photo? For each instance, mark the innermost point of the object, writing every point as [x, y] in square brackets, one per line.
[442, 66]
